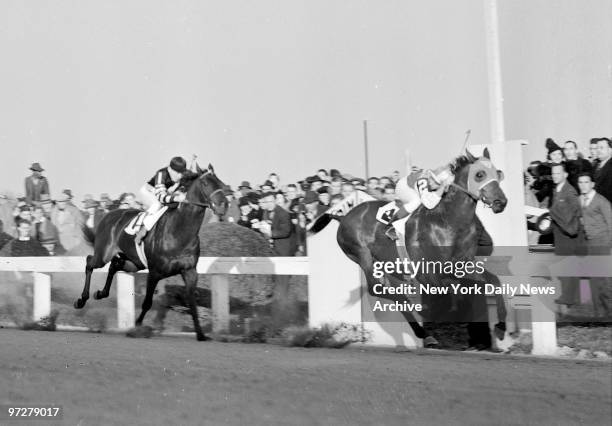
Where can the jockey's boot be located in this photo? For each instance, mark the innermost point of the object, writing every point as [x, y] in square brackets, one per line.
[142, 232]
[390, 229]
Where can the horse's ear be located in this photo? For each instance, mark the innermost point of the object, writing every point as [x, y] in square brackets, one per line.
[199, 170]
[210, 167]
[486, 154]
[469, 155]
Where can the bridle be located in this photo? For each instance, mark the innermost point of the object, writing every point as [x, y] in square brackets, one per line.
[470, 193]
[208, 197]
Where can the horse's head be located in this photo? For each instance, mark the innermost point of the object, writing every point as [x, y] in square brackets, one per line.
[206, 190]
[479, 178]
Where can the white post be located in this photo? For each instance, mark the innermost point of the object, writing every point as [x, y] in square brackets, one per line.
[41, 295]
[543, 328]
[126, 314]
[496, 97]
[220, 303]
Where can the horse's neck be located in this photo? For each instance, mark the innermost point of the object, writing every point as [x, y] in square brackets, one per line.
[188, 219]
[460, 206]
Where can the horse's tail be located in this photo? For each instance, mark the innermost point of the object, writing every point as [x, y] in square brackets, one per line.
[88, 234]
[321, 222]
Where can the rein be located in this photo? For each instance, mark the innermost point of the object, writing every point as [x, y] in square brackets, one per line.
[203, 205]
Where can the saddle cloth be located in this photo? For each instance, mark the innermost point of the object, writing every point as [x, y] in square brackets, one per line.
[135, 225]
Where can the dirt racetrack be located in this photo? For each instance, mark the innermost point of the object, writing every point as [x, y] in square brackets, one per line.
[110, 379]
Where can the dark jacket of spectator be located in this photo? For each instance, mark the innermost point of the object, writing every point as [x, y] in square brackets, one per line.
[23, 248]
[565, 212]
[597, 220]
[603, 180]
[35, 187]
[4, 237]
[282, 235]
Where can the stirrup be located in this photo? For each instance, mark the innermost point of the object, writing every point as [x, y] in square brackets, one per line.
[391, 233]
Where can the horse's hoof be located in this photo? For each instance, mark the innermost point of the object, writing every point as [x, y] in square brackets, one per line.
[499, 332]
[79, 303]
[99, 295]
[430, 342]
[140, 331]
[202, 337]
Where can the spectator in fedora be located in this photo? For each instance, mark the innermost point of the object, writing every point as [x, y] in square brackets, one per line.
[565, 213]
[36, 184]
[245, 210]
[312, 207]
[24, 244]
[596, 221]
[276, 226]
[46, 232]
[244, 188]
[4, 237]
[105, 202]
[67, 221]
[92, 215]
[603, 172]
[575, 163]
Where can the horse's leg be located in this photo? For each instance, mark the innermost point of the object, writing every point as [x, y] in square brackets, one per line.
[152, 280]
[91, 263]
[190, 276]
[115, 265]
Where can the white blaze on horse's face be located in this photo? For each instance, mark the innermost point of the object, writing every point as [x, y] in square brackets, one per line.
[482, 173]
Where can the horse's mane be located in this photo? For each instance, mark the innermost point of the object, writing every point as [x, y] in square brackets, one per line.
[460, 162]
[188, 178]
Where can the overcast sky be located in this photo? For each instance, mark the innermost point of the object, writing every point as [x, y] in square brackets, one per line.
[103, 93]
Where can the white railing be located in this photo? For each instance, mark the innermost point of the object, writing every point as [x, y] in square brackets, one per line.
[217, 267]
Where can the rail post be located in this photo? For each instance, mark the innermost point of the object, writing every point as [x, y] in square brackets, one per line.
[41, 295]
[126, 313]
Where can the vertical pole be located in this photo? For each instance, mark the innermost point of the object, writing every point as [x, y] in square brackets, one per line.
[126, 314]
[42, 296]
[543, 328]
[365, 145]
[220, 303]
[496, 98]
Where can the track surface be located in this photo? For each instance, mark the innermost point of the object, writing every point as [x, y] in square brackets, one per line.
[110, 379]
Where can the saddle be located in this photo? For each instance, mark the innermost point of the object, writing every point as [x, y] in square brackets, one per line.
[136, 223]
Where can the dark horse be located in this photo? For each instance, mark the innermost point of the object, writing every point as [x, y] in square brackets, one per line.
[446, 233]
[172, 247]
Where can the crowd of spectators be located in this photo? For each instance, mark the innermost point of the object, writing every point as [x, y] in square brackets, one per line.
[281, 212]
[575, 191]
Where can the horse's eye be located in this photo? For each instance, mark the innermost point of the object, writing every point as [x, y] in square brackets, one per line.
[480, 175]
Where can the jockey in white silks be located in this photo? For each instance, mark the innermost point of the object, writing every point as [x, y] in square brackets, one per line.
[419, 187]
[159, 191]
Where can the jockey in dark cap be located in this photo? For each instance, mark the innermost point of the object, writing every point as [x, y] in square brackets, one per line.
[159, 191]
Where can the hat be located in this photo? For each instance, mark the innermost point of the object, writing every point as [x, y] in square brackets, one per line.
[323, 190]
[105, 197]
[90, 203]
[334, 173]
[87, 197]
[310, 197]
[178, 164]
[24, 208]
[268, 183]
[64, 196]
[544, 224]
[36, 167]
[245, 184]
[551, 146]
[68, 193]
[227, 190]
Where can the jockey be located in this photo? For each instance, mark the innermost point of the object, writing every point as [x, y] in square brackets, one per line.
[160, 190]
[420, 187]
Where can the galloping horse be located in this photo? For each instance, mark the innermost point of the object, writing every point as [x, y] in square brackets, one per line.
[446, 233]
[172, 247]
